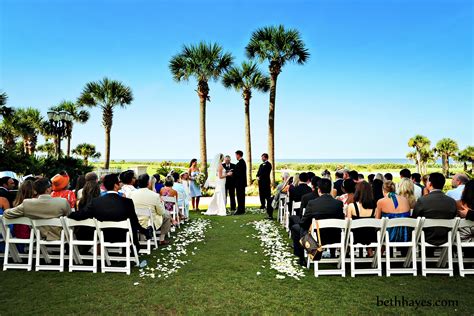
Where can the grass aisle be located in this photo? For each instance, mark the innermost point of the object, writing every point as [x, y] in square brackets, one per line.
[222, 279]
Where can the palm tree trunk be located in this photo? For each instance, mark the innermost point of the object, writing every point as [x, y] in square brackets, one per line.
[248, 144]
[86, 160]
[465, 166]
[107, 119]
[107, 148]
[447, 166]
[418, 161]
[69, 146]
[271, 125]
[443, 163]
[203, 93]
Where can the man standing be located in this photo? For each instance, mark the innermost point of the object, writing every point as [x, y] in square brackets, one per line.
[240, 180]
[263, 177]
[229, 182]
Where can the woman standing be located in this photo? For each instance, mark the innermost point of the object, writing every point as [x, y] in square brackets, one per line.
[194, 187]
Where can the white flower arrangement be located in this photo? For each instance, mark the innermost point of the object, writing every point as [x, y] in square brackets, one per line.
[277, 250]
[192, 233]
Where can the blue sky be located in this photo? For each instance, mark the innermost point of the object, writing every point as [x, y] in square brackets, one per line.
[379, 72]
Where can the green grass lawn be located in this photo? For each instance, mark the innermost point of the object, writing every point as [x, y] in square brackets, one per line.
[222, 279]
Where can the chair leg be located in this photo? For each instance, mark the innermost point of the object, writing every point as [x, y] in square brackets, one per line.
[352, 256]
[5, 258]
[387, 258]
[460, 255]
[423, 255]
[413, 256]
[450, 257]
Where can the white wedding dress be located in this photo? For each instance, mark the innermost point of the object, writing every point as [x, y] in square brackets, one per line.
[217, 206]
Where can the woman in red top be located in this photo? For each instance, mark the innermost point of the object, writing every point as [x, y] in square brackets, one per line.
[26, 191]
[60, 183]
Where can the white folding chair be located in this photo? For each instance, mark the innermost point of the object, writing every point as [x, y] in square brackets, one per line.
[147, 213]
[126, 244]
[175, 210]
[415, 225]
[341, 246]
[460, 244]
[13, 251]
[281, 207]
[286, 218]
[43, 246]
[376, 268]
[294, 206]
[451, 225]
[11, 242]
[71, 224]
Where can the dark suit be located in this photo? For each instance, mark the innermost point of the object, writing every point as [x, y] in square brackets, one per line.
[338, 187]
[296, 193]
[230, 185]
[308, 197]
[240, 181]
[264, 190]
[435, 205]
[323, 207]
[4, 193]
[114, 208]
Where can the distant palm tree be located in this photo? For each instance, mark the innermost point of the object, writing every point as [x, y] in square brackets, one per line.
[278, 46]
[28, 123]
[467, 155]
[78, 115]
[244, 79]
[47, 148]
[7, 133]
[4, 109]
[420, 143]
[86, 151]
[446, 148]
[106, 94]
[204, 62]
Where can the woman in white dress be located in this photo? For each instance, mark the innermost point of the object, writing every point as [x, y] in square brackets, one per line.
[217, 176]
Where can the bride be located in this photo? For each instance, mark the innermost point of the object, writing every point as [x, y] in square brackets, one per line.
[217, 176]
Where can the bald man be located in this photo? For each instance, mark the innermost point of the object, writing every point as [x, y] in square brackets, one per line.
[458, 182]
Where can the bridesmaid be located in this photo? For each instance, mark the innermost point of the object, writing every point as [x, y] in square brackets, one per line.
[194, 187]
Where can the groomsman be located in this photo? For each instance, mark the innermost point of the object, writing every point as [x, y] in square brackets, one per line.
[263, 177]
[229, 183]
[240, 181]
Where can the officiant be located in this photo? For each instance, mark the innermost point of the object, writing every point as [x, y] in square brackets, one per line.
[264, 191]
[229, 183]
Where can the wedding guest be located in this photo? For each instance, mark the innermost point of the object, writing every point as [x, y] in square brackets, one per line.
[195, 188]
[43, 207]
[284, 185]
[80, 182]
[182, 195]
[435, 205]
[184, 178]
[90, 176]
[361, 177]
[90, 191]
[393, 206]
[346, 174]
[424, 179]
[348, 187]
[363, 207]
[388, 177]
[6, 185]
[128, 180]
[458, 182]
[25, 191]
[406, 174]
[377, 189]
[406, 188]
[324, 207]
[311, 175]
[114, 208]
[144, 197]
[371, 178]
[159, 184]
[168, 190]
[380, 177]
[60, 184]
[416, 178]
[465, 208]
[338, 183]
[354, 175]
[295, 182]
[311, 195]
[298, 191]
[326, 174]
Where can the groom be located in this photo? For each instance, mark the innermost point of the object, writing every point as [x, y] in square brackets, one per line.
[240, 181]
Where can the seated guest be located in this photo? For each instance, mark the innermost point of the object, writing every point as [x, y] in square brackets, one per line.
[159, 184]
[338, 183]
[416, 178]
[406, 188]
[168, 190]
[406, 174]
[354, 175]
[435, 205]
[325, 174]
[43, 207]
[183, 199]
[90, 191]
[184, 178]
[393, 206]
[371, 178]
[465, 210]
[424, 179]
[114, 208]
[377, 190]
[6, 185]
[144, 197]
[297, 192]
[348, 187]
[458, 182]
[284, 184]
[128, 181]
[324, 207]
[60, 184]
[363, 207]
[388, 177]
[26, 191]
[90, 176]
[311, 175]
[361, 177]
[80, 181]
[295, 182]
[311, 195]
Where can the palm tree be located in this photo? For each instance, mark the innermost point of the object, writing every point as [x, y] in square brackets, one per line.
[7, 133]
[78, 115]
[47, 148]
[278, 46]
[86, 151]
[244, 79]
[28, 124]
[446, 148]
[106, 94]
[204, 62]
[5, 111]
[467, 155]
[419, 143]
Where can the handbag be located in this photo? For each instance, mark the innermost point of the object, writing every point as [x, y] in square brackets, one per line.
[313, 247]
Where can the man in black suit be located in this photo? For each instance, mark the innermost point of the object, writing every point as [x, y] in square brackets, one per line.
[296, 193]
[311, 195]
[435, 205]
[264, 191]
[240, 181]
[338, 182]
[229, 182]
[114, 208]
[324, 207]
[6, 185]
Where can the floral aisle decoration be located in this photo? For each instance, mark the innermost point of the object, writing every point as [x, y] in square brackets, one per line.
[277, 250]
[176, 254]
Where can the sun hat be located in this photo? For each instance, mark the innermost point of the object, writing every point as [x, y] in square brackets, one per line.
[60, 181]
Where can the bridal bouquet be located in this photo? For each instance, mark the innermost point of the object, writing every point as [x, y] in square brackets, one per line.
[200, 179]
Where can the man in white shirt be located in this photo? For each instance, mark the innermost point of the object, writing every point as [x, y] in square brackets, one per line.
[144, 197]
[128, 181]
[183, 200]
[405, 173]
[458, 182]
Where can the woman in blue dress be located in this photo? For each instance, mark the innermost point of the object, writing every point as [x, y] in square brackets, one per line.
[194, 187]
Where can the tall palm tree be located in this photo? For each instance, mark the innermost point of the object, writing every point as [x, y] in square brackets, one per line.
[47, 148]
[86, 151]
[467, 155]
[244, 79]
[7, 133]
[419, 143]
[5, 111]
[446, 148]
[28, 124]
[278, 46]
[78, 115]
[204, 62]
[106, 94]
